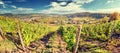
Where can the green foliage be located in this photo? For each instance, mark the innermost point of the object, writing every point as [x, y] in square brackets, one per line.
[101, 51]
[69, 35]
[53, 37]
[117, 25]
[90, 47]
[33, 32]
[97, 31]
[30, 32]
[7, 24]
[54, 41]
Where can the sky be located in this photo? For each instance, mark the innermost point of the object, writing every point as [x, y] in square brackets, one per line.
[59, 6]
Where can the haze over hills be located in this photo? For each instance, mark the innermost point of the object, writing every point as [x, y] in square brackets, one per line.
[82, 14]
[88, 14]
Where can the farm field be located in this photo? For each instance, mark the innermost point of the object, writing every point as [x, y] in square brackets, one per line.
[99, 37]
[59, 26]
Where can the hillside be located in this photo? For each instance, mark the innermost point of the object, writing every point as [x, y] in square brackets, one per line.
[102, 37]
[87, 14]
[82, 14]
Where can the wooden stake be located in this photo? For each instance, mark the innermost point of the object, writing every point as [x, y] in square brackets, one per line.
[20, 36]
[77, 39]
[2, 35]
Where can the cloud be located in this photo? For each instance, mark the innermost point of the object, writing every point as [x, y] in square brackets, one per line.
[8, 1]
[21, 10]
[24, 9]
[64, 8]
[3, 4]
[82, 1]
[58, 9]
[2, 11]
[20, 0]
[14, 9]
[17, 10]
[110, 1]
[63, 3]
[110, 10]
[13, 6]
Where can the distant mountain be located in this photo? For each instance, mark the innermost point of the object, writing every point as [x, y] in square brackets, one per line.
[83, 14]
[87, 14]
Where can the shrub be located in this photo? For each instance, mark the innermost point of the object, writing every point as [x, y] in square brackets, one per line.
[114, 16]
[97, 31]
[69, 35]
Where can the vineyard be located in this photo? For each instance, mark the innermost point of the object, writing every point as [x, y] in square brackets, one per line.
[17, 35]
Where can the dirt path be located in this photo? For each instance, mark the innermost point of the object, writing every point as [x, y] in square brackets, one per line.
[62, 43]
[46, 38]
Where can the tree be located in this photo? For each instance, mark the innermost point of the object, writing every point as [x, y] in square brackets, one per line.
[114, 16]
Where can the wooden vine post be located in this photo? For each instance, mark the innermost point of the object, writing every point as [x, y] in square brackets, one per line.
[1, 31]
[77, 39]
[20, 36]
[1, 34]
